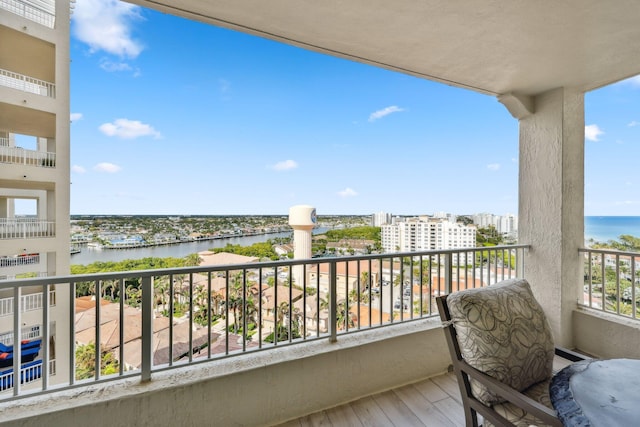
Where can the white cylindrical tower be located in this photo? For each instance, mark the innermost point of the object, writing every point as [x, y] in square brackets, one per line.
[302, 218]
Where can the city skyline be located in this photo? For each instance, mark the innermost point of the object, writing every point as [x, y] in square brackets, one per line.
[171, 116]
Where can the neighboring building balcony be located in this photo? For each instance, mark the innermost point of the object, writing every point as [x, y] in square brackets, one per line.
[255, 333]
[19, 260]
[26, 228]
[29, 302]
[21, 156]
[26, 83]
[43, 15]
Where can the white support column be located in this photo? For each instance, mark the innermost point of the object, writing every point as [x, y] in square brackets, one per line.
[551, 204]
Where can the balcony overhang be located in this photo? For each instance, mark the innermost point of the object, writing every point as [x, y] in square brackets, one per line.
[498, 47]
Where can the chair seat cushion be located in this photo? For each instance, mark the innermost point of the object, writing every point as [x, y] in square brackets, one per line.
[503, 332]
[538, 392]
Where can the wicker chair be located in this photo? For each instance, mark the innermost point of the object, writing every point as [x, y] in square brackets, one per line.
[502, 353]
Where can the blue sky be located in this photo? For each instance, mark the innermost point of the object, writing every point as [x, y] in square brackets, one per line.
[171, 116]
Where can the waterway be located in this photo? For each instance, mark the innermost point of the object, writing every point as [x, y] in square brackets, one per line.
[89, 255]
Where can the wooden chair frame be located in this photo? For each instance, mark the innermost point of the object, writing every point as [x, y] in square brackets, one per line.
[464, 372]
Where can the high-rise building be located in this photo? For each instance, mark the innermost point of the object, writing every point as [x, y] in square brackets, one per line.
[34, 151]
[381, 218]
[426, 233]
[505, 224]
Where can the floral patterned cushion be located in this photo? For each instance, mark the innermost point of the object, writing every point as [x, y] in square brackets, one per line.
[503, 332]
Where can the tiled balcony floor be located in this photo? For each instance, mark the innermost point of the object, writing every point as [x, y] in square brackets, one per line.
[434, 402]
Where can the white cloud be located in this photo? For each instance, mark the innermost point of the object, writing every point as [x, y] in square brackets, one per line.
[592, 132]
[633, 123]
[633, 81]
[628, 203]
[225, 85]
[347, 192]
[285, 165]
[128, 129]
[107, 167]
[493, 166]
[107, 25]
[111, 67]
[78, 169]
[74, 117]
[384, 112]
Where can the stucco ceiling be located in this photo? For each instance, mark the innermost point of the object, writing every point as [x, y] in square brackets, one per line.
[494, 46]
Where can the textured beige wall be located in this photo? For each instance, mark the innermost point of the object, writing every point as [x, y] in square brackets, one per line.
[605, 335]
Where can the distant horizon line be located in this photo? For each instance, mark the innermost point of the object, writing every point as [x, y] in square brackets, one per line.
[286, 214]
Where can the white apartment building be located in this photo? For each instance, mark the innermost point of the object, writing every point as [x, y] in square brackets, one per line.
[34, 152]
[504, 224]
[381, 218]
[427, 233]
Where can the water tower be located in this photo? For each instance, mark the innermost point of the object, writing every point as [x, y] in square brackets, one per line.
[302, 218]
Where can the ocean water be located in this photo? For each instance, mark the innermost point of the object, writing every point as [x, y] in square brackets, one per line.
[605, 228]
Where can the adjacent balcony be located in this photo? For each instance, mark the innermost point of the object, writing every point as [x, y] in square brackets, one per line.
[26, 228]
[43, 15]
[21, 156]
[19, 260]
[28, 302]
[291, 337]
[27, 84]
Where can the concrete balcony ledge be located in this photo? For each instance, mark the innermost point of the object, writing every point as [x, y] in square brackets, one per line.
[606, 335]
[262, 388]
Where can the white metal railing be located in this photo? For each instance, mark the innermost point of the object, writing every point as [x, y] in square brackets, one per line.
[29, 372]
[18, 155]
[215, 312]
[612, 281]
[28, 302]
[27, 84]
[4, 142]
[22, 276]
[26, 333]
[41, 12]
[18, 260]
[26, 228]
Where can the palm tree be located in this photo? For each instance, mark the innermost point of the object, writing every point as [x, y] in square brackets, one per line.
[344, 318]
[286, 332]
[364, 280]
[192, 260]
[160, 291]
[134, 295]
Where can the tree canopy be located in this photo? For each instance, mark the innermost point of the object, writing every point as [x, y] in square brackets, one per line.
[149, 263]
[261, 250]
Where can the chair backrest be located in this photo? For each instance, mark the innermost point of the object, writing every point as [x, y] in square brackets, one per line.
[500, 330]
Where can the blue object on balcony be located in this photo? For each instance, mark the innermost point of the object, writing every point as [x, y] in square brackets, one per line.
[30, 350]
[25, 344]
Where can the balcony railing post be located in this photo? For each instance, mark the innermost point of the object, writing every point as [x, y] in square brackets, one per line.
[147, 328]
[17, 350]
[46, 356]
[448, 272]
[333, 304]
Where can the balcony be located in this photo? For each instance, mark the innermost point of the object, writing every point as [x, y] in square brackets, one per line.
[27, 84]
[26, 228]
[21, 156]
[43, 15]
[296, 349]
[28, 302]
[19, 260]
[224, 321]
